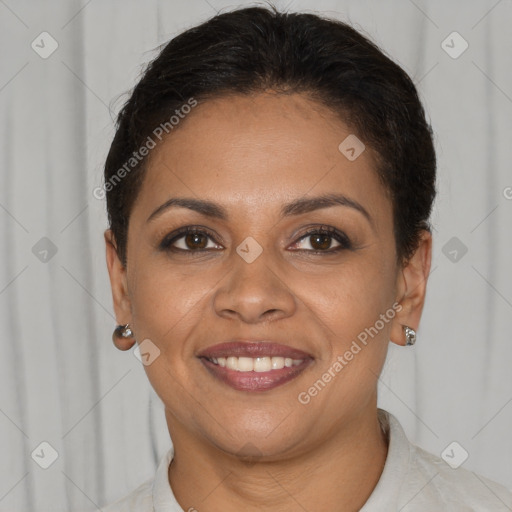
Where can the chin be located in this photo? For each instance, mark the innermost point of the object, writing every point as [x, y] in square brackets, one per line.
[255, 440]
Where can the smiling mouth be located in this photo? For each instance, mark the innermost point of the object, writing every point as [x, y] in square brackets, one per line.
[261, 373]
[254, 365]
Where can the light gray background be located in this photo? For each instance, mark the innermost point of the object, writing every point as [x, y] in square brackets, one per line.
[61, 379]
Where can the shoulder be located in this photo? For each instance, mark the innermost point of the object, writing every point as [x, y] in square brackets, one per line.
[140, 500]
[414, 480]
[432, 481]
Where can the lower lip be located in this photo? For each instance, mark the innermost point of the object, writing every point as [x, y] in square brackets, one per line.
[254, 381]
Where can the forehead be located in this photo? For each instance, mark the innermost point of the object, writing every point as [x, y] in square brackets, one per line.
[256, 152]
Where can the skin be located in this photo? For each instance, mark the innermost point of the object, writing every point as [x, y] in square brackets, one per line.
[240, 450]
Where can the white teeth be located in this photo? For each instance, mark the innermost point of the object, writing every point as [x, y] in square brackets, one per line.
[262, 364]
[232, 363]
[257, 364]
[277, 363]
[245, 364]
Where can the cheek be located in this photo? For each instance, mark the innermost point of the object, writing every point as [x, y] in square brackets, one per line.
[168, 303]
[167, 308]
[354, 310]
[351, 297]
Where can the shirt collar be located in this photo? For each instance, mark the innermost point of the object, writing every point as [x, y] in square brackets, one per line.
[385, 496]
[163, 497]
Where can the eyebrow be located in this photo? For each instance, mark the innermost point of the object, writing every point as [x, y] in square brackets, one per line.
[297, 207]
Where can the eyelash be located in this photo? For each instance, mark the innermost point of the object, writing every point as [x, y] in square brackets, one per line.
[340, 237]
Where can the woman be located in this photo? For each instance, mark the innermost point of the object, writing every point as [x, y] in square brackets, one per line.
[269, 189]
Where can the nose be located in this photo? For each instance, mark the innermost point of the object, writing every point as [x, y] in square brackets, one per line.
[254, 292]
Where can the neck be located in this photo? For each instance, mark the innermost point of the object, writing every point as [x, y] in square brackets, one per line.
[343, 469]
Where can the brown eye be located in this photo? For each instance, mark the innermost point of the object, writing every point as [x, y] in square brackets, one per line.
[320, 240]
[195, 241]
[189, 240]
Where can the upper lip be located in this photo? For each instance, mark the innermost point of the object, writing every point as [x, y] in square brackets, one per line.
[252, 348]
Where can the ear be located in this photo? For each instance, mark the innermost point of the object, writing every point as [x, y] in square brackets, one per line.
[411, 289]
[119, 286]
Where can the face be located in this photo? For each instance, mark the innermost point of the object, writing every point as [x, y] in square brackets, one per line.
[302, 293]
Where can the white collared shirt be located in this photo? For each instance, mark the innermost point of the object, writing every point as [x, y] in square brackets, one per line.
[413, 480]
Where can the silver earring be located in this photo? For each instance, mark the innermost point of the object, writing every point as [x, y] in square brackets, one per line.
[123, 331]
[410, 336]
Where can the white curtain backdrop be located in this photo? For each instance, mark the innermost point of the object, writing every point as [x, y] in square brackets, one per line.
[62, 382]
